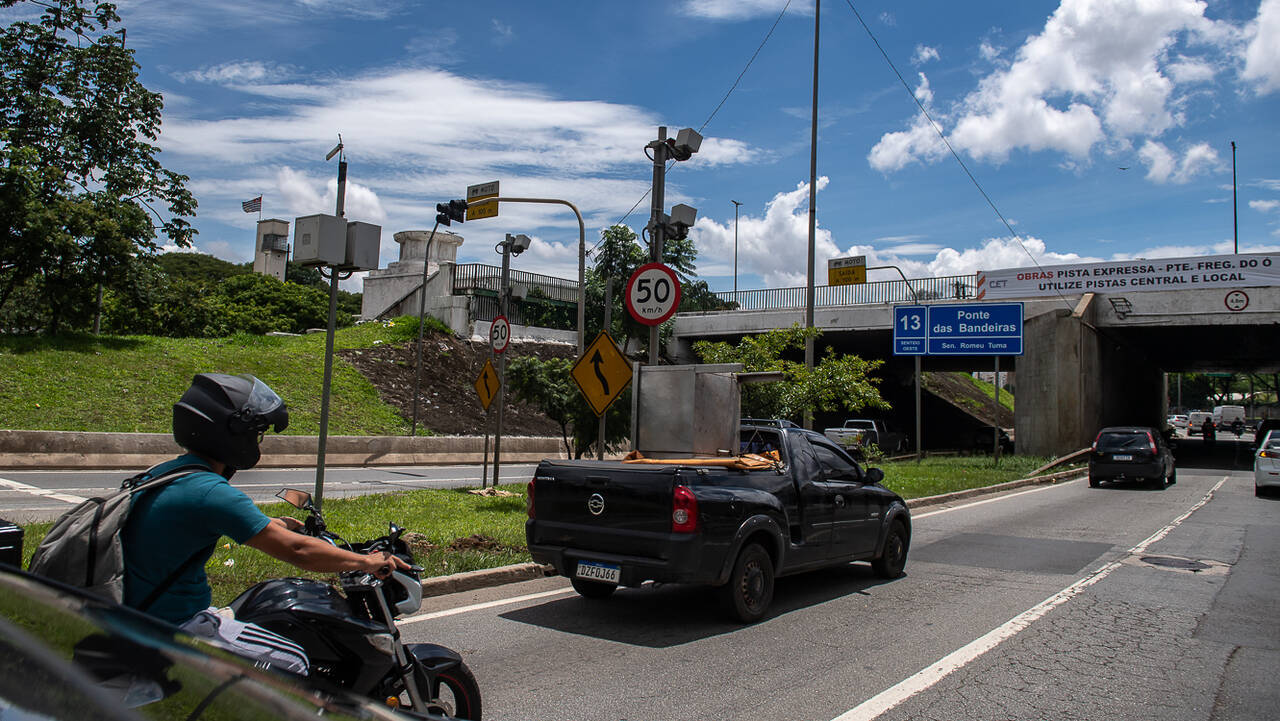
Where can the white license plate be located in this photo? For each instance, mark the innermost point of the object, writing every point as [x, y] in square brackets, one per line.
[599, 571]
[1122, 457]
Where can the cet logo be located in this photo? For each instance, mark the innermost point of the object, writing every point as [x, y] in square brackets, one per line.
[595, 504]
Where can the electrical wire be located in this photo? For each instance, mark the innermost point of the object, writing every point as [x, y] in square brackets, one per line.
[946, 142]
[710, 117]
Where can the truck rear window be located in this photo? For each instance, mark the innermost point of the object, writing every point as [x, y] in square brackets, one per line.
[758, 441]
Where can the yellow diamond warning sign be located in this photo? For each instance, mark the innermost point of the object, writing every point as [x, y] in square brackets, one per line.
[487, 384]
[602, 373]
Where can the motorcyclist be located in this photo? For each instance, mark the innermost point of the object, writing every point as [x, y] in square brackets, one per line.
[1207, 429]
[220, 420]
[1237, 427]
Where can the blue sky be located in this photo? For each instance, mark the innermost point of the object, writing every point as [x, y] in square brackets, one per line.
[1047, 103]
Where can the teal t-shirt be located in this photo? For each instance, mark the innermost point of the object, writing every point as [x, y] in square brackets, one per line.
[169, 525]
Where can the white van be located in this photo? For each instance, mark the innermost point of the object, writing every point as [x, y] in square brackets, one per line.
[1225, 416]
[1195, 421]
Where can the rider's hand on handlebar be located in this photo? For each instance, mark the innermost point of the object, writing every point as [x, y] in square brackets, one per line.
[292, 524]
[382, 563]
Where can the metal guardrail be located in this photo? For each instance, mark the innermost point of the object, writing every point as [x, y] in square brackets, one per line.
[950, 287]
[471, 277]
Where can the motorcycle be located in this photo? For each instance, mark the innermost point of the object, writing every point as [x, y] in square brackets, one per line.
[351, 637]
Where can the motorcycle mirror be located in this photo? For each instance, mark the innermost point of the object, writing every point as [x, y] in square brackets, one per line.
[295, 498]
[394, 532]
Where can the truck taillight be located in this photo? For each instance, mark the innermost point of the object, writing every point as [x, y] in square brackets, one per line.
[684, 511]
[528, 502]
[1151, 441]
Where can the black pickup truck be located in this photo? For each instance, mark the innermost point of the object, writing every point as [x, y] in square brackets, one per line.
[808, 505]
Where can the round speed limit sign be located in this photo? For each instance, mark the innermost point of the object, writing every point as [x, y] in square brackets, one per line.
[499, 334]
[653, 294]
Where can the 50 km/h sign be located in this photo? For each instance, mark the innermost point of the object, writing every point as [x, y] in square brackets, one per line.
[601, 373]
[653, 294]
[500, 334]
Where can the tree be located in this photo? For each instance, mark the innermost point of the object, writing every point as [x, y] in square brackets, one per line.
[548, 385]
[79, 179]
[837, 381]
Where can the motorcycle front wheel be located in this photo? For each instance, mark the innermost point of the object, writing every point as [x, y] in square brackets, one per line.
[454, 692]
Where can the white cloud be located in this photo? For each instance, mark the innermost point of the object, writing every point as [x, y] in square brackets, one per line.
[920, 143]
[438, 47]
[923, 54]
[741, 9]
[236, 72]
[1164, 167]
[1098, 71]
[888, 18]
[1265, 206]
[1262, 55]
[773, 246]
[502, 32]
[987, 51]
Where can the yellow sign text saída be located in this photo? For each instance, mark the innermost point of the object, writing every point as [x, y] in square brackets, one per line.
[847, 271]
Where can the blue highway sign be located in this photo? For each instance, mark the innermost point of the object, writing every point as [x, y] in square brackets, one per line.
[910, 329]
[975, 329]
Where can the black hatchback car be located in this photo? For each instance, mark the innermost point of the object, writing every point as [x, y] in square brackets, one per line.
[1136, 453]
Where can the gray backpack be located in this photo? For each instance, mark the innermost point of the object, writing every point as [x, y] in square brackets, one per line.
[83, 548]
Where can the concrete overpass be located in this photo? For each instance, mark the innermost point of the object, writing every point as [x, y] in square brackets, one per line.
[1090, 359]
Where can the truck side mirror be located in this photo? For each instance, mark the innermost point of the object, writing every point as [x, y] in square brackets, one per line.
[874, 475]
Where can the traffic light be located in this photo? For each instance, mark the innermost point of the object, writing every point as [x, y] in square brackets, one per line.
[450, 211]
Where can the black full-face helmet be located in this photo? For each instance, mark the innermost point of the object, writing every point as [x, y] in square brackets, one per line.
[223, 417]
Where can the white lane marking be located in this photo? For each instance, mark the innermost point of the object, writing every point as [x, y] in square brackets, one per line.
[482, 606]
[36, 491]
[889, 698]
[916, 516]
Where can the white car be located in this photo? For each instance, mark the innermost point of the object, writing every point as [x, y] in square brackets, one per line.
[1266, 464]
[1178, 421]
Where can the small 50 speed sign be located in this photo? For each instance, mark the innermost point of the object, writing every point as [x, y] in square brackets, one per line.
[499, 334]
[653, 294]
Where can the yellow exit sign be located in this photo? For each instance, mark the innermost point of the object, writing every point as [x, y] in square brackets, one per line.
[847, 271]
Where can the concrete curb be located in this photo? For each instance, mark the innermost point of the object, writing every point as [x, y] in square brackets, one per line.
[488, 577]
[83, 450]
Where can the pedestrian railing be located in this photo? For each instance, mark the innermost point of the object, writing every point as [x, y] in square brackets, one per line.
[951, 287]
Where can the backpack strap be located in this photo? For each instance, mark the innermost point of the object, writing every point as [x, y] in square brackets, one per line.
[141, 482]
[172, 578]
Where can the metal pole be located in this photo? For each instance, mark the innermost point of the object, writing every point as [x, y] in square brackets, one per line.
[322, 441]
[608, 308]
[918, 424]
[1235, 224]
[995, 424]
[813, 192]
[502, 362]
[484, 466]
[655, 221]
[735, 249]
[422, 311]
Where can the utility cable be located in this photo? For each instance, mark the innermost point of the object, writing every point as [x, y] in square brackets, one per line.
[710, 117]
[946, 142]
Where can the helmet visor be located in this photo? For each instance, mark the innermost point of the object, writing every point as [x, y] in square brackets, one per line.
[264, 402]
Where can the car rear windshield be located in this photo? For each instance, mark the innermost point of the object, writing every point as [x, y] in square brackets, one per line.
[1130, 441]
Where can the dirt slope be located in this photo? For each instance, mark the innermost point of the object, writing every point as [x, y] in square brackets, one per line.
[958, 390]
[448, 403]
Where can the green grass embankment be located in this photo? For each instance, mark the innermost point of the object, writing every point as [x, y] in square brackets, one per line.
[462, 531]
[129, 383]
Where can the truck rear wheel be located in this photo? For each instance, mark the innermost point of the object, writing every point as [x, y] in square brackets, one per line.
[592, 589]
[749, 591]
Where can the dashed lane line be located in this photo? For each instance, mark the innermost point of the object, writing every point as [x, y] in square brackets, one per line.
[482, 606]
[37, 491]
[882, 702]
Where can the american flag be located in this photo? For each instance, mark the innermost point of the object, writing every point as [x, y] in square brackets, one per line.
[252, 206]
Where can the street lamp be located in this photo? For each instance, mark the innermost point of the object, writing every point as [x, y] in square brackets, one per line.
[735, 249]
[512, 245]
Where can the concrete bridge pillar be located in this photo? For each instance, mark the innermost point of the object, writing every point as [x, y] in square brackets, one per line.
[1075, 379]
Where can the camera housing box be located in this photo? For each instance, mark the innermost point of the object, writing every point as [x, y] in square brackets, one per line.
[320, 240]
[363, 242]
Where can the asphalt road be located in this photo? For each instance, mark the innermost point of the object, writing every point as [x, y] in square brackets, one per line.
[27, 496]
[1059, 602]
